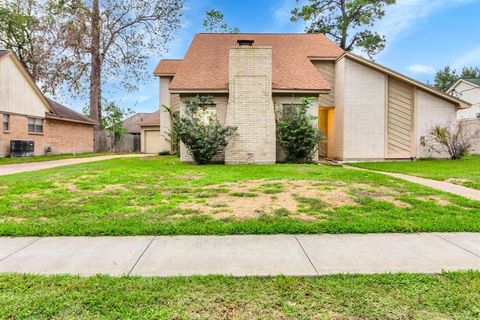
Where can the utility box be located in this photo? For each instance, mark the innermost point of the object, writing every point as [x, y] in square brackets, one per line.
[21, 148]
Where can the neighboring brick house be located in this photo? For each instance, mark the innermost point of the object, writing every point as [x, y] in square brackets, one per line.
[27, 115]
[367, 111]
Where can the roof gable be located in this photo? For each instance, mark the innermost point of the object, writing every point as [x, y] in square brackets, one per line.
[461, 103]
[20, 88]
[205, 66]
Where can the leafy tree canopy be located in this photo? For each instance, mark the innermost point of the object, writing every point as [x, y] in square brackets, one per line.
[346, 21]
[446, 77]
[214, 22]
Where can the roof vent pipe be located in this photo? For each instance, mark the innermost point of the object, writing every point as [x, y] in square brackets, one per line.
[244, 43]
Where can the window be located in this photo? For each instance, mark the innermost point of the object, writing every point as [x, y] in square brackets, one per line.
[6, 122]
[478, 115]
[35, 125]
[208, 112]
[288, 109]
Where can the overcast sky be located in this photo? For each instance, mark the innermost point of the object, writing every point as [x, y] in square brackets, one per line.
[422, 36]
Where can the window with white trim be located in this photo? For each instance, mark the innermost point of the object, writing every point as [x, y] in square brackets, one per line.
[35, 125]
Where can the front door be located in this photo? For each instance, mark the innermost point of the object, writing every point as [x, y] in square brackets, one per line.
[323, 128]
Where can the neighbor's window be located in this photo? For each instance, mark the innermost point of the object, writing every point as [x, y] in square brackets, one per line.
[6, 122]
[35, 125]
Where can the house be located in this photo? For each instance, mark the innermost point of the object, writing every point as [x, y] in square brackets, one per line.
[468, 90]
[368, 112]
[150, 133]
[27, 115]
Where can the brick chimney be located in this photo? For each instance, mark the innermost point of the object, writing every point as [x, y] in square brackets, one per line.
[250, 106]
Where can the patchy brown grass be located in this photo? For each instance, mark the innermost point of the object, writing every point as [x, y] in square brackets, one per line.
[253, 198]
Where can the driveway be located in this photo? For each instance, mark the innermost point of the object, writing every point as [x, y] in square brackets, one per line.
[34, 166]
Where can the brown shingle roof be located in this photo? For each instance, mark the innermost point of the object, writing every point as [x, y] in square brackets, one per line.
[167, 67]
[132, 123]
[205, 65]
[4, 52]
[61, 112]
[151, 119]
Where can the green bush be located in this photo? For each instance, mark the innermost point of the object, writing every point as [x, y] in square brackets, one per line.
[201, 132]
[297, 134]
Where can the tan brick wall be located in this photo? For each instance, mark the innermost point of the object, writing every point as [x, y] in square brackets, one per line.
[431, 111]
[363, 112]
[62, 136]
[250, 106]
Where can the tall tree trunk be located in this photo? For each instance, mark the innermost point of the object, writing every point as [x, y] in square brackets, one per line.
[95, 72]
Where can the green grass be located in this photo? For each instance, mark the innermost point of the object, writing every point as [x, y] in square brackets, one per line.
[394, 296]
[146, 196]
[464, 172]
[51, 157]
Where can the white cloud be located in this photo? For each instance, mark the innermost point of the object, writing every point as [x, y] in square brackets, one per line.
[469, 58]
[281, 18]
[421, 68]
[403, 16]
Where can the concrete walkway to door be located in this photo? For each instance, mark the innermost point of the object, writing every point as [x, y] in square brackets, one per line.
[434, 184]
[34, 166]
[245, 255]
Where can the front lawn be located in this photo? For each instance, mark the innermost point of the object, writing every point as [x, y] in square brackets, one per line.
[394, 296]
[51, 157]
[463, 172]
[162, 196]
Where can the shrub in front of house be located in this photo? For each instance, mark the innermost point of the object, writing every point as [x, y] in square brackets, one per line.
[200, 131]
[297, 133]
[453, 138]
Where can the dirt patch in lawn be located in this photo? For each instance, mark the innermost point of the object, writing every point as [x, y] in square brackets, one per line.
[458, 181]
[301, 199]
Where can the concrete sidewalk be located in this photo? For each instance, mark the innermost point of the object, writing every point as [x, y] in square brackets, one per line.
[462, 191]
[42, 165]
[255, 255]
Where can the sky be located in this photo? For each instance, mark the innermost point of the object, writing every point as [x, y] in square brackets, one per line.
[422, 36]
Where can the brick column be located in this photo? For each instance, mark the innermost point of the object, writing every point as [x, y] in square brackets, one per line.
[250, 106]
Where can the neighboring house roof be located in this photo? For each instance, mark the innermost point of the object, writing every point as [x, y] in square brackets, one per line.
[205, 66]
[152, 119]
[132, 123]
[167, 67]
[60, 112]
[3, 52]
[475, 81]
[461, 103]
[471, 82]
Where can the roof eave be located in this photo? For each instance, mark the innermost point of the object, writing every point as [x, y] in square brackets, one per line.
[50, 116]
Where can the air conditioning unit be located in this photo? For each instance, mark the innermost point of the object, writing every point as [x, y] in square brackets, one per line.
[21, 148]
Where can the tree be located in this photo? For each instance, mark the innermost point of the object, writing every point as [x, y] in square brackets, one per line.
[112, 120]
[346, 21]
[200, 131]
[214, 22]
[297, 133]
[112, 40]
[446, 77]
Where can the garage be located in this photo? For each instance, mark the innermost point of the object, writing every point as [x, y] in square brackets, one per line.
[150, 133]
[152, 141]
